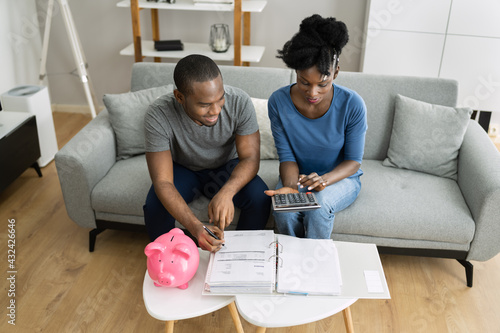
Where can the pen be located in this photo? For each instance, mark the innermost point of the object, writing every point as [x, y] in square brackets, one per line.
[211, 233]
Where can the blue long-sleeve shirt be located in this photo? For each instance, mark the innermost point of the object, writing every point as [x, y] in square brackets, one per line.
[319, 145]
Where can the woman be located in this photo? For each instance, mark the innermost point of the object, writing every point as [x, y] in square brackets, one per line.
[319, 129]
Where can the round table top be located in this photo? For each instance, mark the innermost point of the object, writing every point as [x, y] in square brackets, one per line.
[288, 310]
[175, 304]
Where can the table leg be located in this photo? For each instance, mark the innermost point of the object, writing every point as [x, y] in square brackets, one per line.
[261, 329]
[348, 320]
[37, 168]
[169, 326]
[236, 317]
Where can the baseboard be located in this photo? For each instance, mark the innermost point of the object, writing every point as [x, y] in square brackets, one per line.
[74, 108]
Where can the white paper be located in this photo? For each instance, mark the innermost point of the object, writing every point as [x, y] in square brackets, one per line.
[246, 257]
[308, 266]
[373, 282]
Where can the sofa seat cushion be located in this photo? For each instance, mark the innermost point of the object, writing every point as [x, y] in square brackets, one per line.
[407, 205]
[124, 189]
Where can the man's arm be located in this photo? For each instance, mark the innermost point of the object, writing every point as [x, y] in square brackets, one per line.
[221, 207]
[162, 174]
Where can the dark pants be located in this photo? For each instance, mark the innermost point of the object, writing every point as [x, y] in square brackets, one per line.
[254, 204]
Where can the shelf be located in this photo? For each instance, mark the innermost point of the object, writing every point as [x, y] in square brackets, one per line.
[248, 53]
[241, 52]
[253, 6]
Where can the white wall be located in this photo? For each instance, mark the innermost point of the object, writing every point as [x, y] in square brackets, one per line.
[20, 44]
[105, 29]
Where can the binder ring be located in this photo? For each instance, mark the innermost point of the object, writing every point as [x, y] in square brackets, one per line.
[277, 257]
[278, 244]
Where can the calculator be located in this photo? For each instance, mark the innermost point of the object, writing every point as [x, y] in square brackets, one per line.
[295, 202]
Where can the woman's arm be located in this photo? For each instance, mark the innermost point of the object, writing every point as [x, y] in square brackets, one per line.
[318, 183]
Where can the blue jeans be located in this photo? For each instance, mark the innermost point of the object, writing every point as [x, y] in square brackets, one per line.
[318, 223]
[251, 199]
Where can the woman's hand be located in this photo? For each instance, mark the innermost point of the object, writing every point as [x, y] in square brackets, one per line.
[283, 190]
[312, 181]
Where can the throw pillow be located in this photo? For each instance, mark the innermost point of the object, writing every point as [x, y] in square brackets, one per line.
[267, 148]
[126, 114]
[426, 137]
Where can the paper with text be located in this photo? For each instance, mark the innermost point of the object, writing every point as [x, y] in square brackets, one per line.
[246, 260]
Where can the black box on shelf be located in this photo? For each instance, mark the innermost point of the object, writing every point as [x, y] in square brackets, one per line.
[169, 45]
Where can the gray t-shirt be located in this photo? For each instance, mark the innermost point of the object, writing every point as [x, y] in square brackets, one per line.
[168, 127]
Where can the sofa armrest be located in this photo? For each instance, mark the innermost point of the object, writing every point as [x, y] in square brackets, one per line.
[82, 163]
[479, 181]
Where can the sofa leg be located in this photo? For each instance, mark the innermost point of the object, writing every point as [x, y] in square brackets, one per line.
[92, 238]
[469, 270]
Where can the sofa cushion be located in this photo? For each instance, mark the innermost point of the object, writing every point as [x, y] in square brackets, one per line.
[121, 194]
[126, 115]
[406, 205]
[267, 147]
[124, 188]
[426, 137]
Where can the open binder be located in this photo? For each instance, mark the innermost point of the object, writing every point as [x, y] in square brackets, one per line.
[261, 262]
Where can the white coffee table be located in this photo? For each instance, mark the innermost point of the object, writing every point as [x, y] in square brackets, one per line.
[171, 304]
[291, 310]
[356, 260]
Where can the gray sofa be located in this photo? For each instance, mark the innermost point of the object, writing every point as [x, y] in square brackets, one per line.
[402, 211]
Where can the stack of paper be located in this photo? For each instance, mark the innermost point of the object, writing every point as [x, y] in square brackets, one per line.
[246, 264]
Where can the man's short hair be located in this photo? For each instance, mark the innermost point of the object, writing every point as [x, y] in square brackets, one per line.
[194, 68]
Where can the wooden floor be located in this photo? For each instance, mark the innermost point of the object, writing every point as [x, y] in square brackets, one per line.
[61, 287]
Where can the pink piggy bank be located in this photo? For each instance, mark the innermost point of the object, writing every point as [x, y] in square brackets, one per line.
[173, 259]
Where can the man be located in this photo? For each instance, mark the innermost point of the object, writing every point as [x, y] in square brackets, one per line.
[203, 140]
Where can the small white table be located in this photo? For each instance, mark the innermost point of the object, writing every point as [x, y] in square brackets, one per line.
[171, 304]
[356, 259]
[292, 310]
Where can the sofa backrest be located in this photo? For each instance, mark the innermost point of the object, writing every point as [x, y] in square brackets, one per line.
[378, 92]
[258, 82]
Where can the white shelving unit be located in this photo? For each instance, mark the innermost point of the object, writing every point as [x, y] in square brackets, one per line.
[255, 6]
[241, 52]
[249, 53]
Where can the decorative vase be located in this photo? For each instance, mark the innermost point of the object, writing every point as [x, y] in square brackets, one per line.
[219, 38]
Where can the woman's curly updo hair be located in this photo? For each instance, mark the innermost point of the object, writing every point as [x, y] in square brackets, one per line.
[318, 43]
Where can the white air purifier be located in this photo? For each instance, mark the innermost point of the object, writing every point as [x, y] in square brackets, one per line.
[35, 100]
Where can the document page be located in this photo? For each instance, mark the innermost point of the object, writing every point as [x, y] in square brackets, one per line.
[308, 266]
[246, 258]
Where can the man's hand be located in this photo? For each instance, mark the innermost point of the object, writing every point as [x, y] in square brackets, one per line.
[207, 242]
[283, 190]
[221, 210]
[312, 181]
